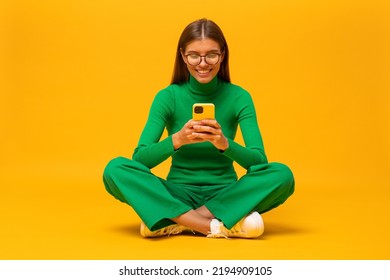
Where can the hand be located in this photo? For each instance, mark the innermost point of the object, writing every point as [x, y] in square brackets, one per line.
[206, 130]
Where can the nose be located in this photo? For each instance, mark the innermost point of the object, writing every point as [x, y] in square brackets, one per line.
[203, 61]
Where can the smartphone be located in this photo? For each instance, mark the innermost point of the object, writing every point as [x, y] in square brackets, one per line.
[202, 111]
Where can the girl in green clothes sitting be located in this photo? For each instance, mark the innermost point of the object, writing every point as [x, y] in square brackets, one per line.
[201, 192]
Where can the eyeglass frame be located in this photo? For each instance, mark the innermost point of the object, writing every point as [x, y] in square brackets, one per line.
[203, 57]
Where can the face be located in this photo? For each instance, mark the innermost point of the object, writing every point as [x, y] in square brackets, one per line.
[203, 72]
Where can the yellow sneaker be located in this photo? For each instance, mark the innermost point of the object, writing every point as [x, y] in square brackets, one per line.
[251, 226]
[165, 231]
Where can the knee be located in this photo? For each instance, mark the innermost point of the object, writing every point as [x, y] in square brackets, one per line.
[284, 174]
[113, 167]
[120, 165]
[112, 175]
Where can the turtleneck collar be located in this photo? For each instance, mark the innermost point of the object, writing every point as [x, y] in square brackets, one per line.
[204, 90]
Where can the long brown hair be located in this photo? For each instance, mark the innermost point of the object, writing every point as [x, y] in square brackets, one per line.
[198, 30]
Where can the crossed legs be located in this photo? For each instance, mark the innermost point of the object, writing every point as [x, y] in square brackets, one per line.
[198, 220]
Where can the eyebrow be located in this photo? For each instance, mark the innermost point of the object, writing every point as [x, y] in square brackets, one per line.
[210, 51]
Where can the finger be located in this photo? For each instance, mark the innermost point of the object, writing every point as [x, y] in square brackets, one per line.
[206, 135]
[211, 122]
[199, 136]
[189, 124]
[207, 129]
[192, 123]
[203, 129]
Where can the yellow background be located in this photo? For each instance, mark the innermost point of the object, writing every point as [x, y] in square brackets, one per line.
[76, 81]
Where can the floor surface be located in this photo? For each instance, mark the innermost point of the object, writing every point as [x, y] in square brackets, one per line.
[68, 215]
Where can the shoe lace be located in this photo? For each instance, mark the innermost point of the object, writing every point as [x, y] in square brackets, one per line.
[236, 229]
[226, 232]
[173, 229]
[168, 230]
[216, 235]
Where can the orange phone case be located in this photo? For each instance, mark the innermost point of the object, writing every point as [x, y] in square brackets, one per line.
[202, 111]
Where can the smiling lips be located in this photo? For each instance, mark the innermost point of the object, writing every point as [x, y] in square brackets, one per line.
[203, 72]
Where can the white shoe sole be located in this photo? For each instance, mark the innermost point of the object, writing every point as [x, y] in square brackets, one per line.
[253, 225]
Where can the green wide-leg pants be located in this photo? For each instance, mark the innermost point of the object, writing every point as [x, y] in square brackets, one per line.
[156, 200]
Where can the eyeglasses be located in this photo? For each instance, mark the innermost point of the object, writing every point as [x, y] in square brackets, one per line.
[196, 59]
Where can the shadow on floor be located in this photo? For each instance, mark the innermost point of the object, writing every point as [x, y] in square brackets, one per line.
[271, 229]
[128, 229]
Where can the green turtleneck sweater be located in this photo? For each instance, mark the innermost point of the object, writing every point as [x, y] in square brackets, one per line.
[201, 163]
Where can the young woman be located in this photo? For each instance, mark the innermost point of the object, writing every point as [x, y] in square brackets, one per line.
[201, 192]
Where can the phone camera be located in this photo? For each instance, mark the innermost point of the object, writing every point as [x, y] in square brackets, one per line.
[198, 109]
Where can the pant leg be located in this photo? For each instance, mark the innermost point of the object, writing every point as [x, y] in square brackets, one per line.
[263, 188]
[133, 183]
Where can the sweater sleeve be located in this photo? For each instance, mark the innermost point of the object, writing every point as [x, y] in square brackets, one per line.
[253, 153]
[150, 151]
